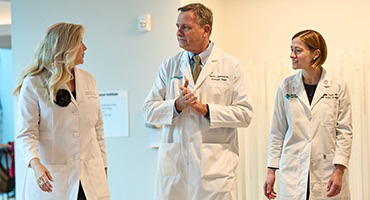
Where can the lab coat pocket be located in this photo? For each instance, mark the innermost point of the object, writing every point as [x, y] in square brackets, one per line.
[98, 177]
[221, 88]
[329, 129]
[168, 162]
[324, 172]
[327, 168]
[218, 164]
[176, 82]
[47, 150]
[329, 106]
[221, 93]
[60, 183]
[91, 106]
[289, 175]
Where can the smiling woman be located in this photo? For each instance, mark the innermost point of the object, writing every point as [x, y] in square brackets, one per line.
[311, 132]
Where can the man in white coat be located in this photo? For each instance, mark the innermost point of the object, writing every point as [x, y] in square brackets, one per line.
[200, 99]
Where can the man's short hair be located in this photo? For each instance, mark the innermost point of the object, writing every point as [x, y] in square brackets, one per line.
[203, 14]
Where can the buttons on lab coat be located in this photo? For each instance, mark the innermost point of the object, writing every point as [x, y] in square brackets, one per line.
[75, 112]
[76, 134]
[77, 156]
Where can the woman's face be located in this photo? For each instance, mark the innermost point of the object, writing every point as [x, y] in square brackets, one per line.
[302, 57]
[80, 54]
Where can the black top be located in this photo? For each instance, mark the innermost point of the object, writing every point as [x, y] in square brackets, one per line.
[74, 94]
[310, 90]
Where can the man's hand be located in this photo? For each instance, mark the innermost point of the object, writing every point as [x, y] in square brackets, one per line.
[185, 87]
[186, 99]
[200, 108]
[42, 175]
[335, 182]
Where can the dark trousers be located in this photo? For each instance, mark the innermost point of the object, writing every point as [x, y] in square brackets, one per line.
[308, 187]
[81, 193]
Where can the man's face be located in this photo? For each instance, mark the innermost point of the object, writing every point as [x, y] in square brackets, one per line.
[190, 35]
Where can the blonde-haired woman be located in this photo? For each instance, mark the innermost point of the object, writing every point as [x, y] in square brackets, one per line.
[61, 131]
[311, 132]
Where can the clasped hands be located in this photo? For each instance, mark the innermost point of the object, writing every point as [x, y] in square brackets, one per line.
[187, 99]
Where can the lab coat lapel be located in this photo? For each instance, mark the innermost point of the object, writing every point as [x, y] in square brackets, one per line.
[185, 69]
[300, 91]
[78, 87]
[65, 86]
[321, 89]
[208, 67]
[80, 93]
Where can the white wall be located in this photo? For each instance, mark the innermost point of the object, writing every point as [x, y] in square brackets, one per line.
[120, 58]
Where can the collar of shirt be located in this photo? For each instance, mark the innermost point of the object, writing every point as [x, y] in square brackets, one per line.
[204, 55]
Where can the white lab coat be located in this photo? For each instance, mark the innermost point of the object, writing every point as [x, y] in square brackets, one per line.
[198, 156]
[310, 139]
[69, 141]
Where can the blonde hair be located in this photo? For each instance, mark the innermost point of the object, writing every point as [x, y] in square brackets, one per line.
[314, 40]
[53, 57]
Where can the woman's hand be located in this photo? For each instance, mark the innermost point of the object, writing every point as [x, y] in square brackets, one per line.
[335, 182]
[268, 187]
[42, 175]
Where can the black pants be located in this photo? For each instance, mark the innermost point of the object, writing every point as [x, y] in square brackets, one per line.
[81, 193]
[308, 187]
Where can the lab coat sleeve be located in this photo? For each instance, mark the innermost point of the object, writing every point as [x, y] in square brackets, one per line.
[343, 129]
[278, 129]
[99, 129]
[28, 124]
[239, 113]
[157, 109]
